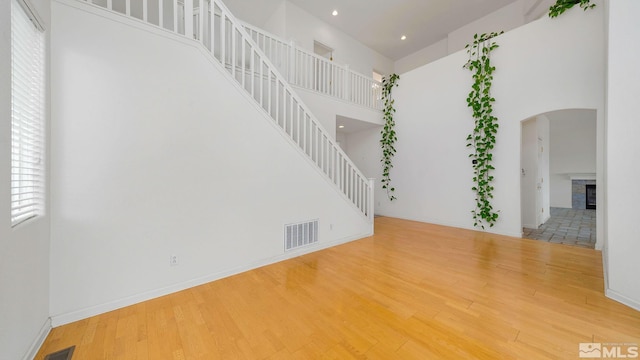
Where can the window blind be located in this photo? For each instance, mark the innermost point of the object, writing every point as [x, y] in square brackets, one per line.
[27, 114]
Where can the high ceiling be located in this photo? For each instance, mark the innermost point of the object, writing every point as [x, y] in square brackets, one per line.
[379, 24]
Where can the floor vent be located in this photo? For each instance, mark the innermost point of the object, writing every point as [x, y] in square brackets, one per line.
[300, 234]
[64, 354]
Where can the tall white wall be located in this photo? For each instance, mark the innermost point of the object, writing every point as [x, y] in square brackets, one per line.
[573, 151]
[432, 173]
[155, 153]
[24, 250]
[623, 193]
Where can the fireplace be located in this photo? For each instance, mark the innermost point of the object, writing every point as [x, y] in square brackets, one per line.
[579, 194]
[591, 197]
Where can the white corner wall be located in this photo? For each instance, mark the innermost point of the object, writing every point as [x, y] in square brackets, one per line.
[156, 153]
[24, 250]
[623, 127]
[432, 173]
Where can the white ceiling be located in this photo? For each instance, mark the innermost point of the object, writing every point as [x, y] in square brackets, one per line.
[380, 23]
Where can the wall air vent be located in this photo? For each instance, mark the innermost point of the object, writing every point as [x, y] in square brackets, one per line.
[300, 234]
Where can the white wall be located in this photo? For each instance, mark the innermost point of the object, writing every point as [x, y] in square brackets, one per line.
[534, 161]
[343, 140]
[304, 28]
[573, 151]
[432, 173]
[424, 56]
[507, 18]
[529, 165]
[24, 250]
[276, 24]
[325, 108]
[623, 126]
[504, 19]
[544, 133]
[155, 153]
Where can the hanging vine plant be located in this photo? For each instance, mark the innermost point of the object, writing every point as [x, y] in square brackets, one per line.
[483, 138]
[563, 5]
[388, 134]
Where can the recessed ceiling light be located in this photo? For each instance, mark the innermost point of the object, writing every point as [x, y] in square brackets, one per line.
[403, 37]
[335, 13]
[341, 127]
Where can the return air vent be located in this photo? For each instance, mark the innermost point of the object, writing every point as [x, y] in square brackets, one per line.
[300, 234]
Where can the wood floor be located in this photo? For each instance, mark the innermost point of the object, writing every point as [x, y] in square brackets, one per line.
[412, 291]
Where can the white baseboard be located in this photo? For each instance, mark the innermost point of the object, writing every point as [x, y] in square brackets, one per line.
[613, 295]
[39, 340]
[66, 318]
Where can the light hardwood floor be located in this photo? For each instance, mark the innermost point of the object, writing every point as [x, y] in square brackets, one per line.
[412, 291]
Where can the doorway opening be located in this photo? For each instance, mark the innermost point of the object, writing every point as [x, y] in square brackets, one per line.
[558, 168]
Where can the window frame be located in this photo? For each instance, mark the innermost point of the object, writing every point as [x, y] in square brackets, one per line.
[28, 113]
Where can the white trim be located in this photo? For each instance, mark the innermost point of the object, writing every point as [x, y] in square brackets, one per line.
[38, 341]
[605, 267]
[582, 176]
[66, 318]
[345, 101]
[32, 13]
[613, 295]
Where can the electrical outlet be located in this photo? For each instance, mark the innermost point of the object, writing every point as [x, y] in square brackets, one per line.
[330, 226]
[173, 260]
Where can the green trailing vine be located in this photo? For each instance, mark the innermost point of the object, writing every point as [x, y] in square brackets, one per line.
[483, 138]
[563, 5]
[388, 134]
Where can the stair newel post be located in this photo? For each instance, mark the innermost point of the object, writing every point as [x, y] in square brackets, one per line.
[188, 19]
[370, 199]
[292, 62]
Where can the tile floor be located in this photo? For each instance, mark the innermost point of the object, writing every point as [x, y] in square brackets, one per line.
[567, 226]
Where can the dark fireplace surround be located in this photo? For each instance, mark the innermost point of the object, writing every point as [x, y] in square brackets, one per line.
[583, 194]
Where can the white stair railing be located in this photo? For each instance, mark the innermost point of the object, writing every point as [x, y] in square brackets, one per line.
[212, 25]
[313, 72]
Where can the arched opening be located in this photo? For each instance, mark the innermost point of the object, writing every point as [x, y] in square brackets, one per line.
[559, 156]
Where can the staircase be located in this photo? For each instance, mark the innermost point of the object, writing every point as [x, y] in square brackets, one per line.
[213, 26]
